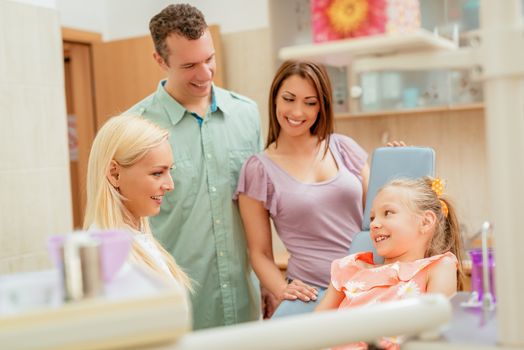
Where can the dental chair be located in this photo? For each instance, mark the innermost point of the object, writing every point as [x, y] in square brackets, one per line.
[388, 163]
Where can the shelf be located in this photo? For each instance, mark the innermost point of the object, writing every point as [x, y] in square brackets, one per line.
[419, 110]
[341, 52]
[464, 58]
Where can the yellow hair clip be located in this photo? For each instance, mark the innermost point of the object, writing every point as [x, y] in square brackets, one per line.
[437, 186]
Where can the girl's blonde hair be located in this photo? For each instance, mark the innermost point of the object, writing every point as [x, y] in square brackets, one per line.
[126, 140]
[446, 237]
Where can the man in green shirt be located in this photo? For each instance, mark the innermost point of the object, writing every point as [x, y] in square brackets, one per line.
[213, 131]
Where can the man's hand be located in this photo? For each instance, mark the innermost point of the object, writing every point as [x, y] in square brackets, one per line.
[269, 303]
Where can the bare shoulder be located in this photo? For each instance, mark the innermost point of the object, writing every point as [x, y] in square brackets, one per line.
[445, 265]
[442, 276]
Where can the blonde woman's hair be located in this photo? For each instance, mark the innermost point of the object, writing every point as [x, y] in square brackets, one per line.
[447, 237]
[126, 140]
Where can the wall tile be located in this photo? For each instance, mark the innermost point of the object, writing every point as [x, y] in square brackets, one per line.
[3, 46]
[55, 121]
[31, 44]
[33, 133]
[35, 204]
[50, 68]
[21, 39]
[25, 263]
[35, 199]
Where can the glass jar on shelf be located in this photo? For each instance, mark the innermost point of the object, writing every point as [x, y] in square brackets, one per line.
[401, 90]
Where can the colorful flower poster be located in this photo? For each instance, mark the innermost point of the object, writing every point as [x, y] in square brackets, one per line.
[339, 19]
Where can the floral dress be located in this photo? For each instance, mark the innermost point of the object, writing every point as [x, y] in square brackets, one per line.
[364, 283]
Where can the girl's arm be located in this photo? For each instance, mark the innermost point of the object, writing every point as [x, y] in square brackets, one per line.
[258, 234]
[442, 277]
[331, 300]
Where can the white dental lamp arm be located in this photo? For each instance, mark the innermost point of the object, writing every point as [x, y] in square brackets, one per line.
[487, 298]
[325, 329]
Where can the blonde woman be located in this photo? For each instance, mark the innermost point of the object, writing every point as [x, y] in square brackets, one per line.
[127, 176]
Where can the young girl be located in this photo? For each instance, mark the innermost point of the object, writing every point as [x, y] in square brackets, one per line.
[128, 173]
[417, 232]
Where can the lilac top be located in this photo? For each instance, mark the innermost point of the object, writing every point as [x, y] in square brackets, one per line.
[315, 221]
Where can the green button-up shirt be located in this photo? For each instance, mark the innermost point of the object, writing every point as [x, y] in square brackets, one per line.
[199, 223]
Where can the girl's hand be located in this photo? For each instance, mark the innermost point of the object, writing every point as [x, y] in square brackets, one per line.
[297, 289]
[396, 144]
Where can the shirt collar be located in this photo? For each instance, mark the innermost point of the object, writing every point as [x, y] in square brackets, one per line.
[176, 111]
[221, 98]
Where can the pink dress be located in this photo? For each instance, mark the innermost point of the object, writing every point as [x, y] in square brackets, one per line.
[364, 283]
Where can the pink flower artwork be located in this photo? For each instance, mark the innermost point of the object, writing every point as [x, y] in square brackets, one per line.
[339, 19]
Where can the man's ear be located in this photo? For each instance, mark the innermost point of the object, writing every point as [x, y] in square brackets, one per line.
[160, 61]
[113, 174]
[429, 219]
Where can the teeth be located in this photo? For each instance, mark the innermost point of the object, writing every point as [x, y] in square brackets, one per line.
[156, 197]
[381, 238]
[294, 122]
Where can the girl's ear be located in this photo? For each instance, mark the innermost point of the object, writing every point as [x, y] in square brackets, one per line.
[429, 219]
[113, 173]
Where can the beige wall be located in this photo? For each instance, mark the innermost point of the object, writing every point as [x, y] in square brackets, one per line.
[249, 67]
[34, 170]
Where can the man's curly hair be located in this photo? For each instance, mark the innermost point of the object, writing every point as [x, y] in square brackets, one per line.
[180, 19]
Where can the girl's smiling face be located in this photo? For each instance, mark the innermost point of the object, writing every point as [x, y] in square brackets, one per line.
[397, 231]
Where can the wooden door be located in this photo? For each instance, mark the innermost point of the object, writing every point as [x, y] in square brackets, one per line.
[81, 121]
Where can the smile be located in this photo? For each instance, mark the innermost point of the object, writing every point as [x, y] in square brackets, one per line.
[294, 122]
[381, 238]
[203, 85]
[158, 199]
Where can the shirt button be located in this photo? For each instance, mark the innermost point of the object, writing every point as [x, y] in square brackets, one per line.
[224, 285]
[217, 221]
[209, 156]
[221, 253]
[213, 189]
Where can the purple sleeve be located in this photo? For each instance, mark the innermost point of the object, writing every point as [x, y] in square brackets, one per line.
[254, 182]
[353, 156]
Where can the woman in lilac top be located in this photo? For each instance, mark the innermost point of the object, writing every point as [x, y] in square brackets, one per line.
[310, 181]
